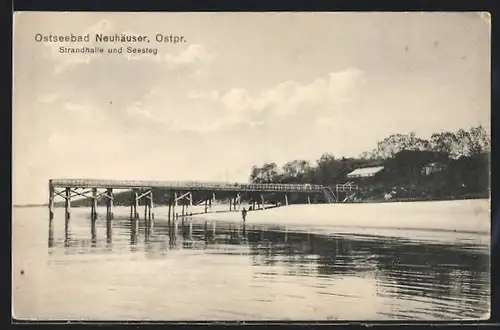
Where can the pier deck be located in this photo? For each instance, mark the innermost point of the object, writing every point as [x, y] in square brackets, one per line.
[185, 185]
[181, 192]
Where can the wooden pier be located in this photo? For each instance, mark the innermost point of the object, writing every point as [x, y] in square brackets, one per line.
[179, 193]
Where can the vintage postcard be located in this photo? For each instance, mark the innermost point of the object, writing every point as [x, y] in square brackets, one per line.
[251, 166]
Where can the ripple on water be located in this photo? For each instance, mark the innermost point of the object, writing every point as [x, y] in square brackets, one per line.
[136, 273]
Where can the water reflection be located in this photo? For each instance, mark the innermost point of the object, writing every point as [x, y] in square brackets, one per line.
[438, 280]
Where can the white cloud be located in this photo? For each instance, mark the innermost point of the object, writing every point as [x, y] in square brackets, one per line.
[289, 96]
[238, 107]
[239, 100]
[192, 54]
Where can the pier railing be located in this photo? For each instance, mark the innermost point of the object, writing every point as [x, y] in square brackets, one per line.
[185, 185]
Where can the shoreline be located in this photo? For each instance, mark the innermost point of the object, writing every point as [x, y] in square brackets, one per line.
[465, 216]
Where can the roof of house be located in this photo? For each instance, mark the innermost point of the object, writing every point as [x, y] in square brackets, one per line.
[366, 171]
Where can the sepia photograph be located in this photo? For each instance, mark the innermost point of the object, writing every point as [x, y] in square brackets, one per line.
[251, 166]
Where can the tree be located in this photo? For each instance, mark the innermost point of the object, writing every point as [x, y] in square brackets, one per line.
[462, 143]
[296, 171]
[445, 142]
[478, 141]
[395, 143]
[268, 173]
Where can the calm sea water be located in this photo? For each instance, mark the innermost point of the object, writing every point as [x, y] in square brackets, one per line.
[194, 270]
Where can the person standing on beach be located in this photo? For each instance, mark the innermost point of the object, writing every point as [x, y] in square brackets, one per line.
[244, 214]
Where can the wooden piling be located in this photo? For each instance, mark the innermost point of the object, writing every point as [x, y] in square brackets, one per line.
[51, 233]
[51, 201]
[93, 233]
[66, 229]
[174, 205]
[68, 204]
[169, 209]
[109, 214]
[308, 200]
[109, 205]
[151, 206]
[132, 204]
[94, 204]
[136, 205]
[262, 201]
[109, 230]
[286, 199]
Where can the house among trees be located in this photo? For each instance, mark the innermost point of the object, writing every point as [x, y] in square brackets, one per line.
[433, 167]
[366, 172]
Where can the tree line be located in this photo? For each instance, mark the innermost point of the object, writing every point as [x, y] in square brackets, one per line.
[464, 154]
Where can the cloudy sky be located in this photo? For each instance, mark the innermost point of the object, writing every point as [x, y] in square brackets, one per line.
[244, 89]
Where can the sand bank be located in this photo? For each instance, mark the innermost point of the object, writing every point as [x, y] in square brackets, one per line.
[459, 216]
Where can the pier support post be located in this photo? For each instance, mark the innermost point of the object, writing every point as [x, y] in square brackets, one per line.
[151, 206]
[109, 204]
[286, 199]
[109, 214]
[51, 233]
[169, 208]
[93, 233]
[206, 206]
[190, 237]
[51, 201]
[190, 199]
[238, 199]
[308, 200]
[174, 205]
[136, 205]
[262, 201]
[93, 211]
[230, 203]
[213, 199]
[131, 204]
[68, 203]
